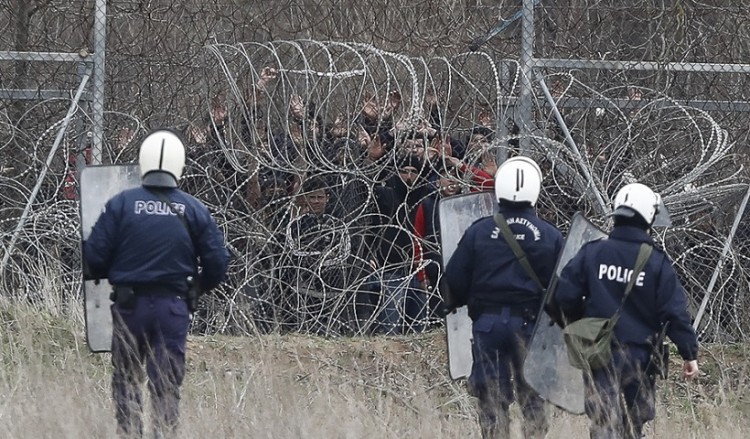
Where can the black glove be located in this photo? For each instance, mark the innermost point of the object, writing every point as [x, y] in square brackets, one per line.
[444, 309]
[555, 313]
[87, 273]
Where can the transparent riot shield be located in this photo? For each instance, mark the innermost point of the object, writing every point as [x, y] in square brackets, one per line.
[546, 368]
[457, 213]
[99, 184]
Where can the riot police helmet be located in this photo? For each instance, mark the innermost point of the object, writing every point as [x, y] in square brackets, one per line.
[518, 180]
[636, 199]
[162, 158]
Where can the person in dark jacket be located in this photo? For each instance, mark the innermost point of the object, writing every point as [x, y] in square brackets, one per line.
[503, 299]
[401, 303]
[148, 242]
[318, 247]
[427, 230]
[592, 284]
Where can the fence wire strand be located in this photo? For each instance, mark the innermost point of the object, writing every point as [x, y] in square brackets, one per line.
[288, 106]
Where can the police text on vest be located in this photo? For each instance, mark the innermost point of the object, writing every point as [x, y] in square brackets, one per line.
[619, 274]
[150, 207]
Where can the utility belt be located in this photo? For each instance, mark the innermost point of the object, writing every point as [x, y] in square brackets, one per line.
[527, 312]
[125, 295]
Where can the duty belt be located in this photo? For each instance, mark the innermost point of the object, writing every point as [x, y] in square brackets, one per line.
[157, 290]
[526, 312]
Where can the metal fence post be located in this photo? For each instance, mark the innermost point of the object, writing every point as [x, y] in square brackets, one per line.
[592, 189]
[720, 264]
[501, 128]
[40, 180]
[100, 45]
[524, 111]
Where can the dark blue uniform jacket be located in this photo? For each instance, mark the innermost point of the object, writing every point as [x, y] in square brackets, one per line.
[483, 272]
[138, 240]
[594, 281]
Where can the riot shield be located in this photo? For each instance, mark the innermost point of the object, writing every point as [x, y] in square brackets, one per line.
[98, 185]
[456, 214]
[546, 368]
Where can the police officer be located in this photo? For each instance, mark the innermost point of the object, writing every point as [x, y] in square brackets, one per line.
[147, 242]
[590, 286]
[503, 299]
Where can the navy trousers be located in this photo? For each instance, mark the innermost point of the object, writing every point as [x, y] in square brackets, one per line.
[151, 335]
[499, 347]
[627, 375]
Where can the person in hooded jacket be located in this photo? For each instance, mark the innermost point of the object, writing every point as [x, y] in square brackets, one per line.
[592, 284]
[503, 299]
[150, 241]
[401, 302]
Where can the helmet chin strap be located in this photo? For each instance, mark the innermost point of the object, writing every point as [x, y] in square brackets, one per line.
[159, 179]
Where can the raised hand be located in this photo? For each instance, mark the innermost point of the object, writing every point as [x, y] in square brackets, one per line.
[267, 75]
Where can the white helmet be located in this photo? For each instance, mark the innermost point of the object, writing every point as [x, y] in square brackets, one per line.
[518, 179]
[637, 198]
[162, 156]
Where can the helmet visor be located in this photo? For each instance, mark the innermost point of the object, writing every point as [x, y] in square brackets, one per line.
[662, 218]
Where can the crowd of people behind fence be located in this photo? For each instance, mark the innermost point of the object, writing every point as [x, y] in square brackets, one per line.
[346, 228]
[332, 217]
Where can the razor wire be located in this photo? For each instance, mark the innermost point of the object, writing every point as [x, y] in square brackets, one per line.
[251, 152]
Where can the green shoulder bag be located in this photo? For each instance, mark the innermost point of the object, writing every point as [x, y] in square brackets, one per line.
[589, 340]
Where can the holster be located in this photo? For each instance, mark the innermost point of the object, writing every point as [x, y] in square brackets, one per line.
[194, 293]
[658, 365]
[123, 296]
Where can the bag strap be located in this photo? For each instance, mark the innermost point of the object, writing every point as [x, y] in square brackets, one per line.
[517, 250]
[644, 252]
[172, 209]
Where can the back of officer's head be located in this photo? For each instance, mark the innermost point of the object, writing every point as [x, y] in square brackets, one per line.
[518, 182]
[636, 205]
[162, 158]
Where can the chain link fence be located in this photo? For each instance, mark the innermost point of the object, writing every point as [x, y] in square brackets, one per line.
[301, 117]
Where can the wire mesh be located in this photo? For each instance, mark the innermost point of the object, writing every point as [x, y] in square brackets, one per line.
[276, 96]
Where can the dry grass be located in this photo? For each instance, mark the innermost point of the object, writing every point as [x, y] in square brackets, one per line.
[303, 387]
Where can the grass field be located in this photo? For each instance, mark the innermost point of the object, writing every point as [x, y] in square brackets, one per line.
[307, 387]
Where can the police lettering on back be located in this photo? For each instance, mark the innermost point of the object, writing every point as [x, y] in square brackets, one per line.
[503, 296]
[620, 397]
[135, 243]
[150, 207]
[496, 233]
[620, 274]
